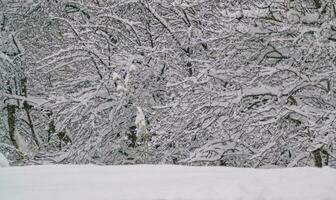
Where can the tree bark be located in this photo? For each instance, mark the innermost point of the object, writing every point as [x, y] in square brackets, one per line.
[317, 158]
[11, 124]
[27, 109]
[317, 3]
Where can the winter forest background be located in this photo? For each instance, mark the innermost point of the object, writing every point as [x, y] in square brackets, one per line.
[210, 82]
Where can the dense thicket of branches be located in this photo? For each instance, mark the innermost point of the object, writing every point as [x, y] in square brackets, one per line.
[208, 82]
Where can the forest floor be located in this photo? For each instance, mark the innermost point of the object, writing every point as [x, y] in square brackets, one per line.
[165, 182]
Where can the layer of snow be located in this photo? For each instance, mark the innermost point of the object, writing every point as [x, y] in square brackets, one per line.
[140, 122]
[146, 182]
[311, 18]
[121, 88]
[3, 161]
[132, 68]
[115, 76]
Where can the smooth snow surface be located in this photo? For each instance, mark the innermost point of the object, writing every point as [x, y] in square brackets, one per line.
[147, 182]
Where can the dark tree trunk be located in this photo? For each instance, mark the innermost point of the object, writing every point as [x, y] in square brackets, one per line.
[317, 3]
[11, 118]
[27, 109]
[317, 158]
[11, 124]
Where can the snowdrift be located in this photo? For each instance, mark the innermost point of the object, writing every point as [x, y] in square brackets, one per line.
[147, 182]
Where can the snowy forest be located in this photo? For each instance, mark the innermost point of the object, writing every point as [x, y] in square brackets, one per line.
[234, 83]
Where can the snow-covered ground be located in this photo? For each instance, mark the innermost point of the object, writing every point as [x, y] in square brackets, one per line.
[148, 182]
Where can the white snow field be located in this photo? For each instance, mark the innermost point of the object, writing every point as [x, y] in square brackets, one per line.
[165, 182]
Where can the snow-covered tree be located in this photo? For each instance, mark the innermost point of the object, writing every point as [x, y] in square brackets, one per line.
[236, 83]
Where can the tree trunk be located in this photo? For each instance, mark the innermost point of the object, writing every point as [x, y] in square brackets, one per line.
[27, 109]
[317, 158]
[11, 124]
[11, 118]
[317, 3]
[51, 129]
